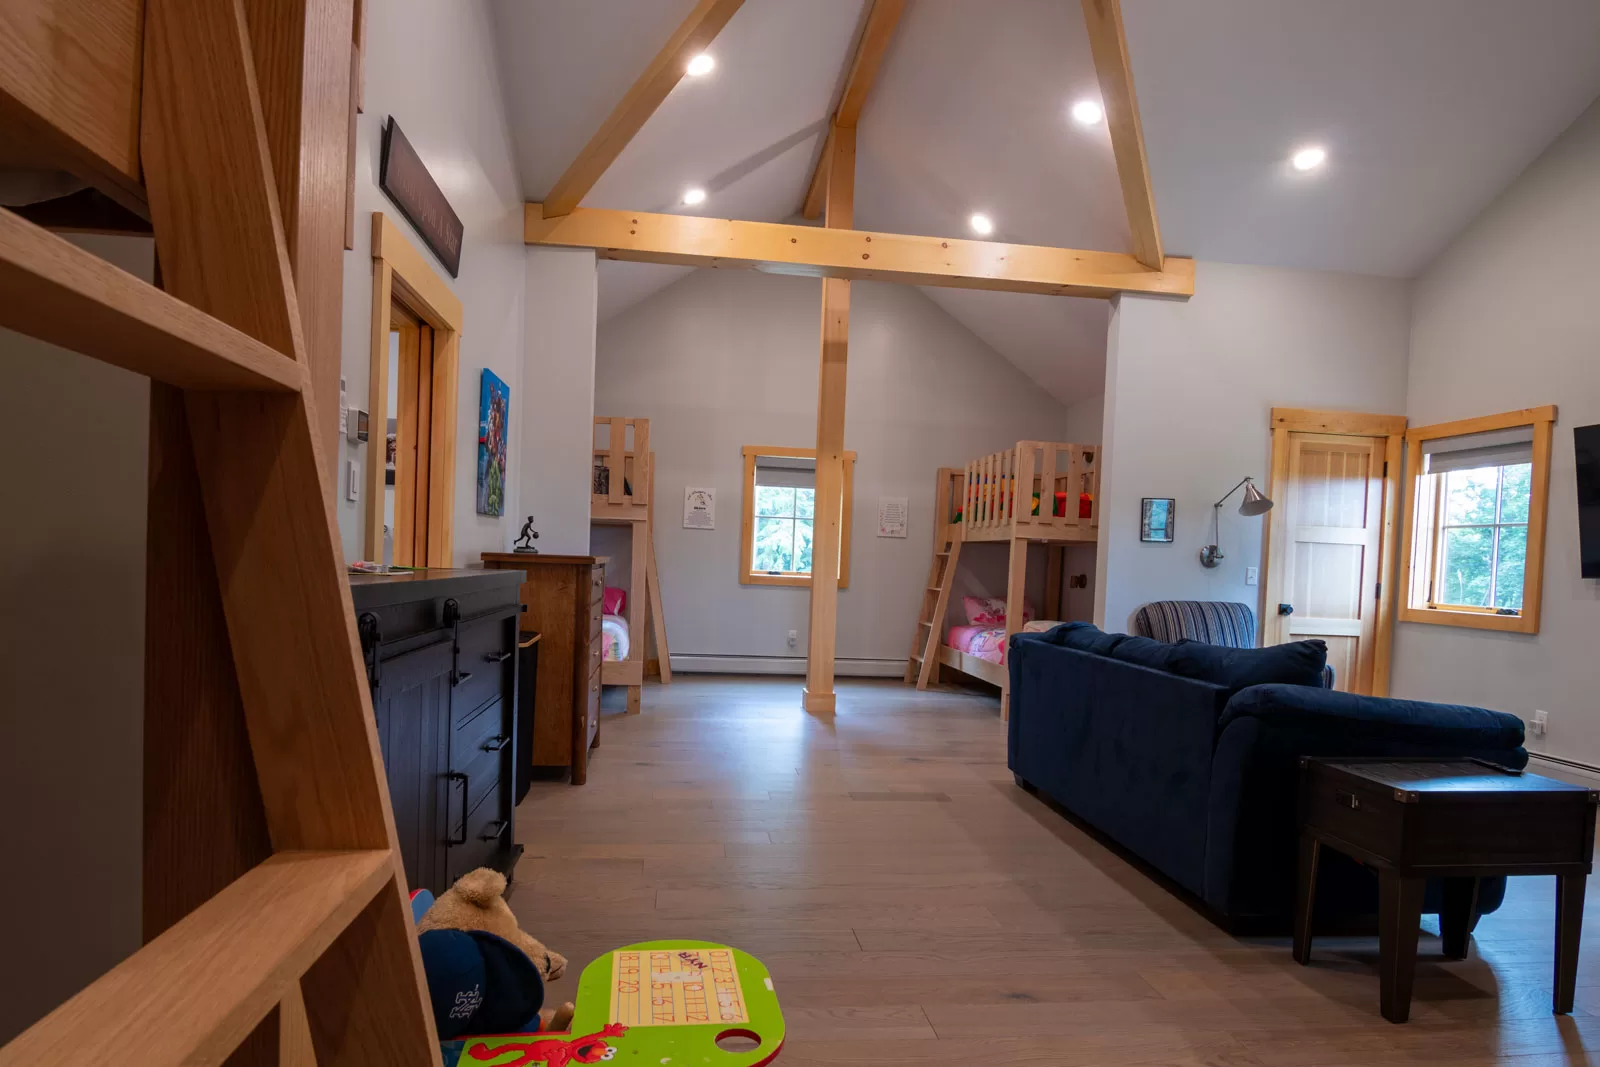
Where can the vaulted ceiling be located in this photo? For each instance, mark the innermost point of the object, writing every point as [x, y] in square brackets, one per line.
[1427, 109]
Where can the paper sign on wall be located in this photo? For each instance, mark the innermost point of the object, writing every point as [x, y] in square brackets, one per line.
[892, 516]
[699, 509]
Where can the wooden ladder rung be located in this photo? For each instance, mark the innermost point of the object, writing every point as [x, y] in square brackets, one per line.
[197, 991]
[55, 291]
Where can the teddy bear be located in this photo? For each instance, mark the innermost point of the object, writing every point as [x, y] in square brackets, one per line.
[475, 904]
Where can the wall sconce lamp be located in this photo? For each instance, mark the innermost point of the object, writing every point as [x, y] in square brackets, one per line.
[1255, 503]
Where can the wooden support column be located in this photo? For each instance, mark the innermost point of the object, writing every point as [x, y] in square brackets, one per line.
[827, 532]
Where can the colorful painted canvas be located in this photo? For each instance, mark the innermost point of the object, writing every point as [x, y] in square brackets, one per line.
[494, 418]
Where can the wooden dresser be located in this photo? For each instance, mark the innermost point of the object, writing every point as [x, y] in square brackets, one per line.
[562, 597]
[440, 648]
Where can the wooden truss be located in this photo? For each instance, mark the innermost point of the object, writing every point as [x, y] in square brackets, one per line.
[275, 915]
[839, 253]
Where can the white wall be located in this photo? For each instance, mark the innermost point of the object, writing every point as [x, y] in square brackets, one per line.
[433, 67]
[1504, 319]
[722, 359]
[554, 456]
[76, 434]
[1189, 388]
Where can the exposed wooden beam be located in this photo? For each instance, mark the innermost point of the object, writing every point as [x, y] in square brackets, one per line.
[1110, 50]
[828, 527]
[881, 21]
[821, 252]
[665, 70]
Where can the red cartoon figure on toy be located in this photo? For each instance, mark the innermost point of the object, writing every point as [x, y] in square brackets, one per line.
[554, 1052]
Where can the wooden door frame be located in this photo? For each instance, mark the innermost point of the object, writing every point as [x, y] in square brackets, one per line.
[401, 274]
[1392, 428]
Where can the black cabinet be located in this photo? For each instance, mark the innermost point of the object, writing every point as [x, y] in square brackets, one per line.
[440, 648]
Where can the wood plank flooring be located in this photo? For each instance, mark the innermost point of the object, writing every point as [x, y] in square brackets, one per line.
[916, 907]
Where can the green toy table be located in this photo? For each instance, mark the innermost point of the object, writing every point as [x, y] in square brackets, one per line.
[662, 1004]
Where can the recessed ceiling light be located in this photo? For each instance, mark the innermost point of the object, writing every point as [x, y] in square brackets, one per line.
[1309, 158]
[982, 225]
[1088, 112]
[694, 196]
[701, 64]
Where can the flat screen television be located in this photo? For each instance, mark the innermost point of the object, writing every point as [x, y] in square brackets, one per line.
[1586, 442]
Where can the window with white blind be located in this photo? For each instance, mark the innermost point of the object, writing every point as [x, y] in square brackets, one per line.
[779, 516]
[1476, 525]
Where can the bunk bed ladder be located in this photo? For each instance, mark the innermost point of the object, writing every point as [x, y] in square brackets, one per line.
[935, 600]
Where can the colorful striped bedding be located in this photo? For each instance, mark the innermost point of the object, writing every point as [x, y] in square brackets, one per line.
[989, 642]
[614, 637]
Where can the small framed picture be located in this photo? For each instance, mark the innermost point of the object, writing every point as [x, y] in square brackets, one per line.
[1157, 517]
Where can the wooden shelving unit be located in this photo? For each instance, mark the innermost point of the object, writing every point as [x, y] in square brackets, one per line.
[276, 922]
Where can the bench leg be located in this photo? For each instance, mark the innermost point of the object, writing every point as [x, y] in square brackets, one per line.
[1569, 926]
[1305, 897]
[1399, 915]
[1455, 918]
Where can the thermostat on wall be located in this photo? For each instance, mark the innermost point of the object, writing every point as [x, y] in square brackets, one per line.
[357, 426]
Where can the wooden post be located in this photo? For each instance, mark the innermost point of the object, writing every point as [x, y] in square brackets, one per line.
[826, 539]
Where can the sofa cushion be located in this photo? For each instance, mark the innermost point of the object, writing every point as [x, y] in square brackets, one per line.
[1295, 663]
[1085, 637]
[1146, 652]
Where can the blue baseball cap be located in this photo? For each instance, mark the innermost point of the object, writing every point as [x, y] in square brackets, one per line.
[480, 984]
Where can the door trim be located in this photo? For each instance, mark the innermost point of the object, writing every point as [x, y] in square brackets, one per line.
[401, 274]
[1392, 428]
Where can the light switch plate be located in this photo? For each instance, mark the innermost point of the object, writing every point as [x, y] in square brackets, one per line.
[1250, 575]
[352, 489]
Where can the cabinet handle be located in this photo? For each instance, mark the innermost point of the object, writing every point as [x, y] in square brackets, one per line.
[493, 830]
[496, 744]
[457, 776]
[460, 676]
[490, 657]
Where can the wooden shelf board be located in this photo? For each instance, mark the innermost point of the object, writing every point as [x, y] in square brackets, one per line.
[194, 993]
[55, 291]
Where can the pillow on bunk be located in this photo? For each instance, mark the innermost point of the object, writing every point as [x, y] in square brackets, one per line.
[614, 601]
[989, 610]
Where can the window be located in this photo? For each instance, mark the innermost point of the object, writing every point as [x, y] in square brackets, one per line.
[780, 489]
[1476, 525]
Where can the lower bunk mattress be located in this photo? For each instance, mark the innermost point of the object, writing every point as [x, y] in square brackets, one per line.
[989, 642]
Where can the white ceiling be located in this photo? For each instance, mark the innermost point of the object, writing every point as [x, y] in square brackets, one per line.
[1427, 107]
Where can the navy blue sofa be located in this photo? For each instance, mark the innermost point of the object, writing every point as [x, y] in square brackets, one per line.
[1199, 777]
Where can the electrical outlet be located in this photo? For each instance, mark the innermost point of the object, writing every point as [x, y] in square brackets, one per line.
[1540, 723]
[794, 638]
[1251, 575]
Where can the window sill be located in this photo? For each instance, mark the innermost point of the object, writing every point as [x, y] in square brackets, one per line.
[793, 581]
[1476, 620]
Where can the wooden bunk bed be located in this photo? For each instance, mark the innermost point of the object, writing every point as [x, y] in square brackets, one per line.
[979, 502]
[628, 499]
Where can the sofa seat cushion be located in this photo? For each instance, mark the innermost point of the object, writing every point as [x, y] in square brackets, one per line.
[1295, 663]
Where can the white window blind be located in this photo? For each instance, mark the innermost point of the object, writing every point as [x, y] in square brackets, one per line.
[786, 472]
[1494, 448]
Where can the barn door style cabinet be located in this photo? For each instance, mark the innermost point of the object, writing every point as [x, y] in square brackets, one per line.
[440, 648]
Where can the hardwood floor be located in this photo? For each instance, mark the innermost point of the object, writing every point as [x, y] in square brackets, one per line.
[916, 907]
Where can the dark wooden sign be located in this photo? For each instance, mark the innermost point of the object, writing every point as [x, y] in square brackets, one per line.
[404, 179]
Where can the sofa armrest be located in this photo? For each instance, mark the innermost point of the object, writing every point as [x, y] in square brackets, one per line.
[1261, 736]
[1381, 719]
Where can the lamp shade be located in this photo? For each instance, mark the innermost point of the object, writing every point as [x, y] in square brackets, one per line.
[1255, 501]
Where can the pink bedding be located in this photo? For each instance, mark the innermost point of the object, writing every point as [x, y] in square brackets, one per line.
[989, 642]
[985, 642]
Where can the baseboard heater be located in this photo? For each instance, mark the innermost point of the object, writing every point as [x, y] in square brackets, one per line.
[843, 668]
[1575, 766]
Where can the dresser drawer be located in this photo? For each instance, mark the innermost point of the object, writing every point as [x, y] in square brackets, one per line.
[597, 580]
[485, 662]
[486, 830]
[591, 714]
